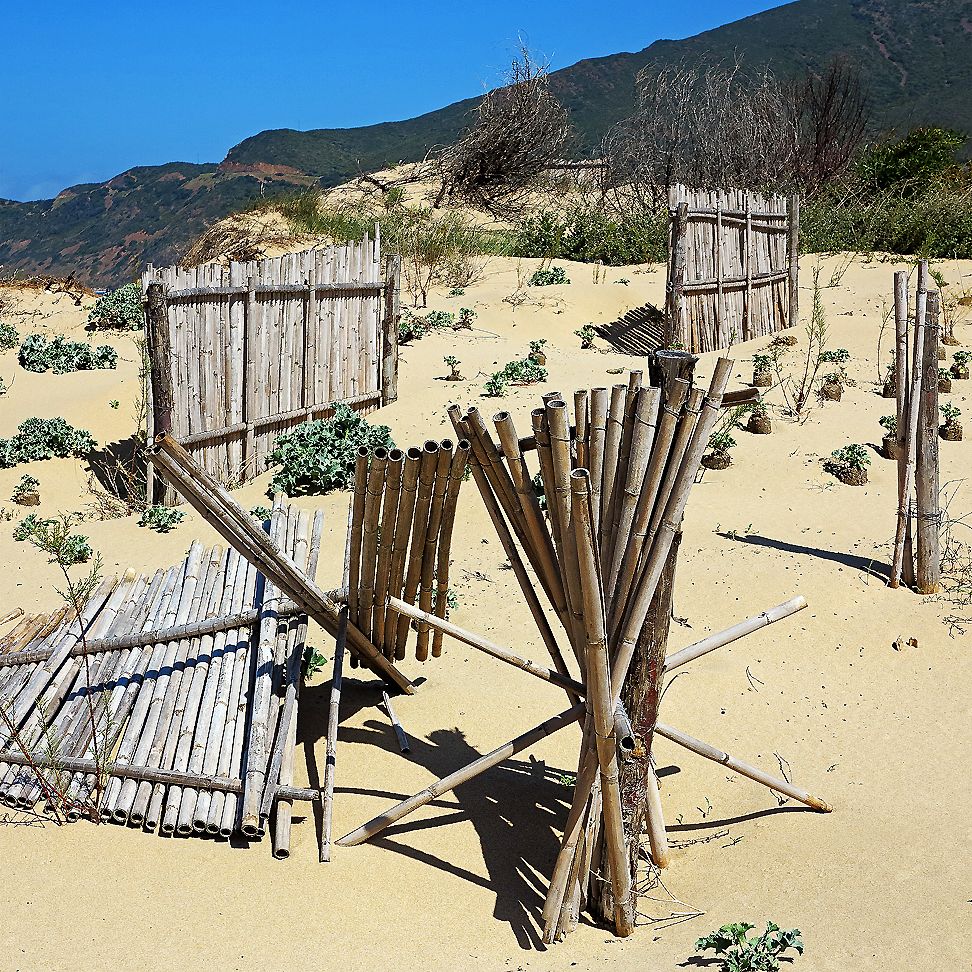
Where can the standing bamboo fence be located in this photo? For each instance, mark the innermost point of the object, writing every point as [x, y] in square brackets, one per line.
[732, 266]
[916, 383]
[242, 353]
[167, 701]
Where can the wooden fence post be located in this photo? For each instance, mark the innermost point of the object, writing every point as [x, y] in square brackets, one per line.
[309, 378]
[249, 373]
[389, 331]
[157, 346]
[928, 568]
[793, 259]
[747, 327]
[674, 323]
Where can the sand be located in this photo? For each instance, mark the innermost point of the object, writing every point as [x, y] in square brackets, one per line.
[883, 734]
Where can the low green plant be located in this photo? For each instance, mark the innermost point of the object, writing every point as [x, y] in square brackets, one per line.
[721, 441]
[27, 485]
[62, 355]
[466, 318]
[413, 327]
[890, 424]
[949, 412]
[113, 403]
[38, 438]
[438, 319]
[848, 457]
[453, 362]
[834, 378]
[9, 338]
[537, 346]
[624, 281]
[54, 535]
[314, 662]
[762, 362]
[962, 357]
[261, 513]
[162, 519]
[524, 372]
[495, 385]
[587, 335]
[944, 374]
[457, 292]
[740, 953]
[548, 277]
[319, 456]
[841, 356]
[118, 310]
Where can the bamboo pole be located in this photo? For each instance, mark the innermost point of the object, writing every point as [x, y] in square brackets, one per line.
[403, 528]
[357, 528]
[608, 531]
[929, 557]
[389, 514]
[612, 451]
[238, 528]
[399, 730]
[333, 721]
[600, 702]
[581, 418]
[377, 824]
[737, 766]
[431, 543]
[902, 387]
[457, 472]
[374, 492]
[734, 633]
[793, 260]
[598, 429]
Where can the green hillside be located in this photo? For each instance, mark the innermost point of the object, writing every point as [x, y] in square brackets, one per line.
[915, 55]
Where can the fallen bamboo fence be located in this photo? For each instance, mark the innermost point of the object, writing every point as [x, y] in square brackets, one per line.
[239, 354]
[733, 266]
[916, 559]
[168, 700]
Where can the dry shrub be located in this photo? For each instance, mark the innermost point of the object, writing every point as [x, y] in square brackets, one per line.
[241, 237]
[519, 129]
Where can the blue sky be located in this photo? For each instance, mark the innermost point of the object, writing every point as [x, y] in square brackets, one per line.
[93, 87]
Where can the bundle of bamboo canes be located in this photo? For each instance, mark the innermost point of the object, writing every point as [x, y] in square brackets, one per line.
[916, 387]
[402, 517]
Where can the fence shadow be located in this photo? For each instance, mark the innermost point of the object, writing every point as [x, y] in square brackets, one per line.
[639, 331]
[869, 566]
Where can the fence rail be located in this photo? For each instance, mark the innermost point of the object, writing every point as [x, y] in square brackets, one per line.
[732, 266]
[239, 353]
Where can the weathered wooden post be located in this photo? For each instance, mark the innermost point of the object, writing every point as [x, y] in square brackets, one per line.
[793, 259]
[928, 568]
[674, 323]
[389, 330]
[160, 393]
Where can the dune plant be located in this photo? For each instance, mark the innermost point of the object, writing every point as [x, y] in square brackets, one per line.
[760, 422]
[763, 370]
[26, 492]
[740, 953]
[38, 438]
[9, 338]
[261, 513]
[796, 382]
[162, 519]
[118, 310]
[849, 464]
[548, 277]
[944, 380]
[951, 428]
[495, 386]
[960, 366]
[890, 445]
[586, 335]
[319, 456]
[537, 352]
[832, 385]
[62, 355]
[466, 318]
[720, 444]
[453, 362]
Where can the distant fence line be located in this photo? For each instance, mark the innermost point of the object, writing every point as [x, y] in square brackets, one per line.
[732, 266]
[239, 354]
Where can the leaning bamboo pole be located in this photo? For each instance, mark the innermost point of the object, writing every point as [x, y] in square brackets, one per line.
[599, 699]
[430, 544]
[443, 554]
[391, 499]
[403, 529]
[374, 492]
[235, 525]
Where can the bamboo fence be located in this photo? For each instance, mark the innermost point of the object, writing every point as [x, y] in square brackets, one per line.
[594, 546]
[167, 701]
[917, 564]
[239, 354]
[733, 266]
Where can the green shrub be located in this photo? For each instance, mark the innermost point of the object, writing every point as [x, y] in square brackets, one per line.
[27, 485]
[548, 277]
[949, 412]
[913, 161]
[413, 327]
[261, 513]
[721, 441]
[523, 372]
[49, 535]
[9, 338]
[841, 356]
[849, 457]
[743, 954]
[118, 310]
[890, 424]
[319, 456]
[495, 385]
[437, 319]
[587, 335]
[466, 318]
[162, 519]
[44, 439]
[63, 355]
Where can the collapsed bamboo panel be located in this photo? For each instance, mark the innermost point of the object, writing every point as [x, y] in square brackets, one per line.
[733, 266]
[255, 348]
[159, 728]
[400, 539]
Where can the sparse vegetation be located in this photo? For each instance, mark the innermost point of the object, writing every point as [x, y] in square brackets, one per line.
[849, 464]
[54, 537]
[537, 352]
[453, 362]
[523, 372]
[26, 492]
[586, 335]
[319, 456]
[162, 519]
[548, 277]
[960, 365]
[951, 428]
[740, 953]
[38, 438]
[62, 355]
[466, 318]
[796, 382]
[118, 310]
[720, 444]
[9, 338]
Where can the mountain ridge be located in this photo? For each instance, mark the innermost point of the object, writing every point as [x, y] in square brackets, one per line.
[915, 56]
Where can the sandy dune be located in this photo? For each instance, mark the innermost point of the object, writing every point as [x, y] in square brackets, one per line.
[885, 735]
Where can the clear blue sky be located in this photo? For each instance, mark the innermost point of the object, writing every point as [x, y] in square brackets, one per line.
[90, 88]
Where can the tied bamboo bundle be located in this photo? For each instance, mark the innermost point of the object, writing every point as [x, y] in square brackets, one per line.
[399, 545]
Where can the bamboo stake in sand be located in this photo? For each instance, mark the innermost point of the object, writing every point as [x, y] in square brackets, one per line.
[396, 724]
[600, 702]
[333, 720]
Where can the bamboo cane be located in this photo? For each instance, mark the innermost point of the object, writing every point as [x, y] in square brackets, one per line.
[581, 417]
[389, 514]
[374, 826]
[431, 543]
[608, 531]
[332, 731]
[403, 528]
[357, 527]
[612, 451]
[600, 702]
[457, 473]
[369, 541]
[598, 429]
[399, 730]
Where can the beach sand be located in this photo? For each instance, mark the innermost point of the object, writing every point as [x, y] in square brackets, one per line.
[884, 735]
